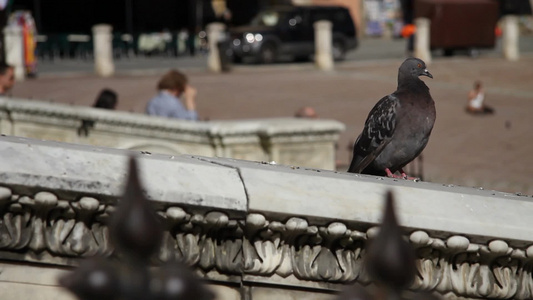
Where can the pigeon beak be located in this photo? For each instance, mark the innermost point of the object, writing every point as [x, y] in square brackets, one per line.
[426, 73]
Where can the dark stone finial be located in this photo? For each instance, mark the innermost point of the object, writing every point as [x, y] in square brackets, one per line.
[135, 228]
[390, 259]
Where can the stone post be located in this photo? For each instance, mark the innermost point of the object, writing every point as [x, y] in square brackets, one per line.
[510, 38]
[422, 39]
[214, 35]
[103, 50]
[323, 40]
[14, 47]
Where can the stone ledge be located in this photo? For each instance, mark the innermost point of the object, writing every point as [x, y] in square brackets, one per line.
[24, 109]
[260, 223]
[329, 195]
[55, 166]
[248, 186]
[286, 140]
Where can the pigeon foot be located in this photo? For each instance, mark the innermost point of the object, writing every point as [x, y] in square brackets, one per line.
[407, 177]
[402, 176]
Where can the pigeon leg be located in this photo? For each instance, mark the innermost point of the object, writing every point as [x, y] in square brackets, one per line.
[402, 176]
[391, 175]
[407, 177]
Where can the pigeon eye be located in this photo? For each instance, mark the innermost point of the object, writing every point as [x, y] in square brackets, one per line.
[419, 65]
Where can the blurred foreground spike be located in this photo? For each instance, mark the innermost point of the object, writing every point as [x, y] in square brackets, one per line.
[390, 259]
[135, 229]
[94, 279]
[136, 234]
[390, 263]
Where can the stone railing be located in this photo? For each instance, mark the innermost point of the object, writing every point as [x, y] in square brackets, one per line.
[291, 141]
[254, 230]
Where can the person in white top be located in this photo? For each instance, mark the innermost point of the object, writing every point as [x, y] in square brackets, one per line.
[475, 101]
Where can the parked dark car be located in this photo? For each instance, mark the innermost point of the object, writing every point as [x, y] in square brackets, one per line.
[288, 30]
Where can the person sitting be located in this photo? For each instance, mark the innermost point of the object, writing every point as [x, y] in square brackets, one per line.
[475, 101]
[107, 99]
[306, 112]
[173, 87]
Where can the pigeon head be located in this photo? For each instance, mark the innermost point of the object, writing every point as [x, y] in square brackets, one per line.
[413, 68]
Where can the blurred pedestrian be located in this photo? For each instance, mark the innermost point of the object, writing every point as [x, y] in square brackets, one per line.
[476, 97]
[409, 28]
[173, 89]
[7, 78]
[106, 99]
[306, 112]
[191, 42]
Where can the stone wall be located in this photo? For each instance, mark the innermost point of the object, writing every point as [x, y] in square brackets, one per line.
[299, 142]
[254, 230]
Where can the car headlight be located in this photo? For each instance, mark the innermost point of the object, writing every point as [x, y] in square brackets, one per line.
[236, 42]
[258, 37]
[250, 37]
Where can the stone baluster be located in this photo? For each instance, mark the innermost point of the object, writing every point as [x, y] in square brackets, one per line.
[323, 51]
[103, 50]
[214, 34]
[14, 48]
[510, 37]
[422, 39]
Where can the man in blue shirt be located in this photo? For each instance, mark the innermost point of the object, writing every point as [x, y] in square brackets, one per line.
[173, 87]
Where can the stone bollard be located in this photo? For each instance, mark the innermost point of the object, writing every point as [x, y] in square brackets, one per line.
[422, 39]
[323, 40]
[14, 48]
[103, 50]
[510, 37]
[214, 35]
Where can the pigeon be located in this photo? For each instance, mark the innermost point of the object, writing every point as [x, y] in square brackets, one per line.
[397, 129]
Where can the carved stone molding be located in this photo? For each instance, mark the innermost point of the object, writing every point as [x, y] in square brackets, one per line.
[210, 241]
[334, 253]
[44, 223]
[45, 228]
[322, 253]
[493, 270]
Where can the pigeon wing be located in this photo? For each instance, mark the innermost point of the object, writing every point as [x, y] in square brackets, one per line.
[378, 131]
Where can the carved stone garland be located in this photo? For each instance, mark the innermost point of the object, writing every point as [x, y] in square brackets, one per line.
[45, 228]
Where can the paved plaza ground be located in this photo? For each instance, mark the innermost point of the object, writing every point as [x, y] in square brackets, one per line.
[493, 152]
